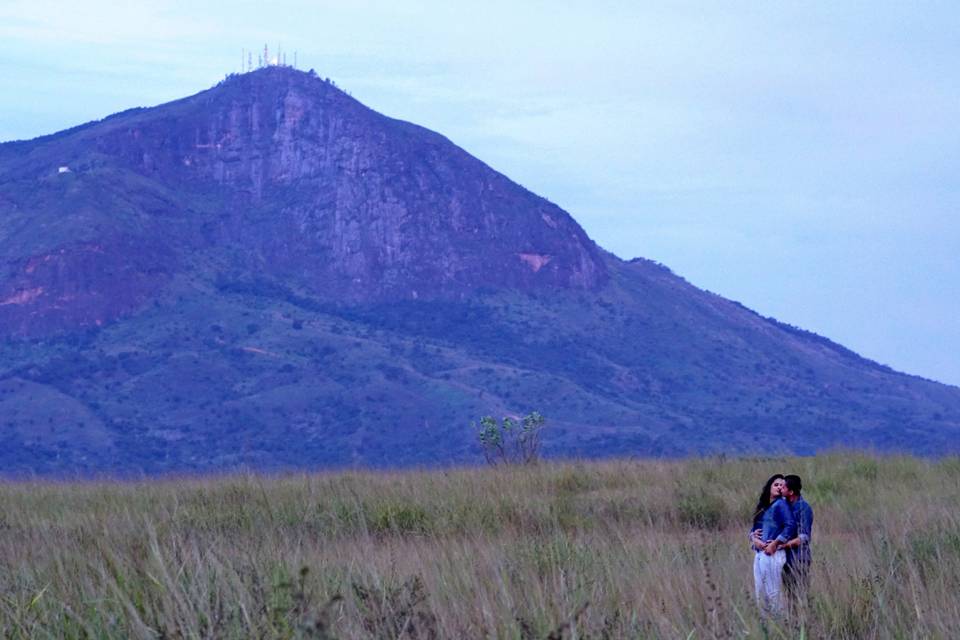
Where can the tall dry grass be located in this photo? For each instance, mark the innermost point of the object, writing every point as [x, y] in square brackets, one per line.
[628, 549]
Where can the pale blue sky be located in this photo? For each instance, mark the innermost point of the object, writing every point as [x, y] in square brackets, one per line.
[802, 158]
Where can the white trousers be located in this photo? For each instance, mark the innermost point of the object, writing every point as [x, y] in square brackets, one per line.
[768, 581]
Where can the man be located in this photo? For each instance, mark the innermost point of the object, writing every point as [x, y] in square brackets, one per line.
[796, 572]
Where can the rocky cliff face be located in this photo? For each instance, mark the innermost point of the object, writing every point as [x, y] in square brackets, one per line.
[292, 178]
[346, 202]
[80, 284]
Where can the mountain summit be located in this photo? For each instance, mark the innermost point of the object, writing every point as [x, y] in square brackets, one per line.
[301, 182]
[270, 273]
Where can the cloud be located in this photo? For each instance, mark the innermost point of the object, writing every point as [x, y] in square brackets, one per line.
[100, 22]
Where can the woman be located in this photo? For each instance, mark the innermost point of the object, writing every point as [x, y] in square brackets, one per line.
[773, 526]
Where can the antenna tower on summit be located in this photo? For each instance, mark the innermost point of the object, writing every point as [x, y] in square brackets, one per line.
[264, 59]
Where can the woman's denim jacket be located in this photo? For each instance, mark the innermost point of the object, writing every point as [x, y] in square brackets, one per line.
[777, 522]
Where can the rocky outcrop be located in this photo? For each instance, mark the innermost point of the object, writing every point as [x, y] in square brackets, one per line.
[343, 202]
[80, 285]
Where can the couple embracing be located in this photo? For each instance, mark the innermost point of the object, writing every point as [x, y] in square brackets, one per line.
[780, 538]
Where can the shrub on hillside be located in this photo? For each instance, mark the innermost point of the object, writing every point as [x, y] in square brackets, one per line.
[509, 441]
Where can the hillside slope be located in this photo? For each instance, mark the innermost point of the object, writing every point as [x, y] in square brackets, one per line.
[269, 273]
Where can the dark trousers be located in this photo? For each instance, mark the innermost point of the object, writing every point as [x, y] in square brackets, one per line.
[796, 580]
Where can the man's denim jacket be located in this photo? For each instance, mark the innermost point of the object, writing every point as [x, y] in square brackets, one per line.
[803, 514]
[777, 522]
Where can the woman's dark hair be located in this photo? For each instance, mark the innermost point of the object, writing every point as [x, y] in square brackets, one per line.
[764, 502]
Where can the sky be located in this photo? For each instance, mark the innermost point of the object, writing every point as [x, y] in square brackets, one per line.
[800, 158]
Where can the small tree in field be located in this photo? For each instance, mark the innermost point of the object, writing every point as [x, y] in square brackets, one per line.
[509, 441]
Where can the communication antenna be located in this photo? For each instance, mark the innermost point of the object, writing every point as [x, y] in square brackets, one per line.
[249, 61]
[266, 56]
[294, 58]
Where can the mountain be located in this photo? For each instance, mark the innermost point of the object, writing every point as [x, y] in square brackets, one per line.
[270, 274]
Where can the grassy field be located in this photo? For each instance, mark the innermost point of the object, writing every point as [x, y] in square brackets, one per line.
[627, 549]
